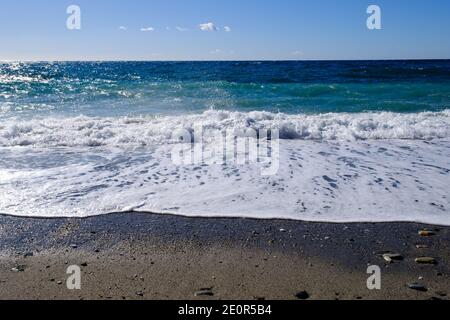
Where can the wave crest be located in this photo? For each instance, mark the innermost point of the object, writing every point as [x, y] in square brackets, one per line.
[144, 131]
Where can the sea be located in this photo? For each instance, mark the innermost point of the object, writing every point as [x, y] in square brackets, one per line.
[350, 141]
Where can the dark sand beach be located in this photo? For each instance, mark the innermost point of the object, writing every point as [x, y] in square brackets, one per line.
[149, 256]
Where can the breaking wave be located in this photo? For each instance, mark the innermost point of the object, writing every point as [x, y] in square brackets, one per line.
[85, 131]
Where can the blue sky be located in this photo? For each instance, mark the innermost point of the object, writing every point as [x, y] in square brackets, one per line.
[260, 29]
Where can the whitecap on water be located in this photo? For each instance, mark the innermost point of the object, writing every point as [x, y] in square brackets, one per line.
[142, 131]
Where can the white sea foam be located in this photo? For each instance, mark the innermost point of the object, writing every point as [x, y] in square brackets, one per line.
[147, 131]
[333, 167]
[8, 79]
[337, 181]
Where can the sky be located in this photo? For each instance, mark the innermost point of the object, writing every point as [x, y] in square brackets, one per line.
[224, 30]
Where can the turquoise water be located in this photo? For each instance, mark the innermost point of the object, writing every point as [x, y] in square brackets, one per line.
[173, 88]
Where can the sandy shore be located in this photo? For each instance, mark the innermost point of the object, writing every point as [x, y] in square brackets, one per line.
[148, 256]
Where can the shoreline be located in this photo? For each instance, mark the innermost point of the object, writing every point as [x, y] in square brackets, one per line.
[149, 256]
[215, 217]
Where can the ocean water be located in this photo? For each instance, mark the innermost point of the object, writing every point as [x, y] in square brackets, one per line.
[358, 141]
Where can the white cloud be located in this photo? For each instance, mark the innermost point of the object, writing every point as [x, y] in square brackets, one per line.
[208, 26]
[123, 28]
[227, 29]
[216, 51]
[147, 29]
[297, 53]
[181, 29]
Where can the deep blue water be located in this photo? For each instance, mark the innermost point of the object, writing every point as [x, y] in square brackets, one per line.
[155, 88]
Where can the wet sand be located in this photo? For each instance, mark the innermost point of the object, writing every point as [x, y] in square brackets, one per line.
[149, 256]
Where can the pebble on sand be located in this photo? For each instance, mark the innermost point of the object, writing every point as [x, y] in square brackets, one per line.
[426, 260]
[204, 292]
[389, 257]
[426, 233]
[20, 268]
[417, 287]
[302, 295]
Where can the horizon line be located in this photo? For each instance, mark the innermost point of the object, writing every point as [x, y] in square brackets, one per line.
[224, 60]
